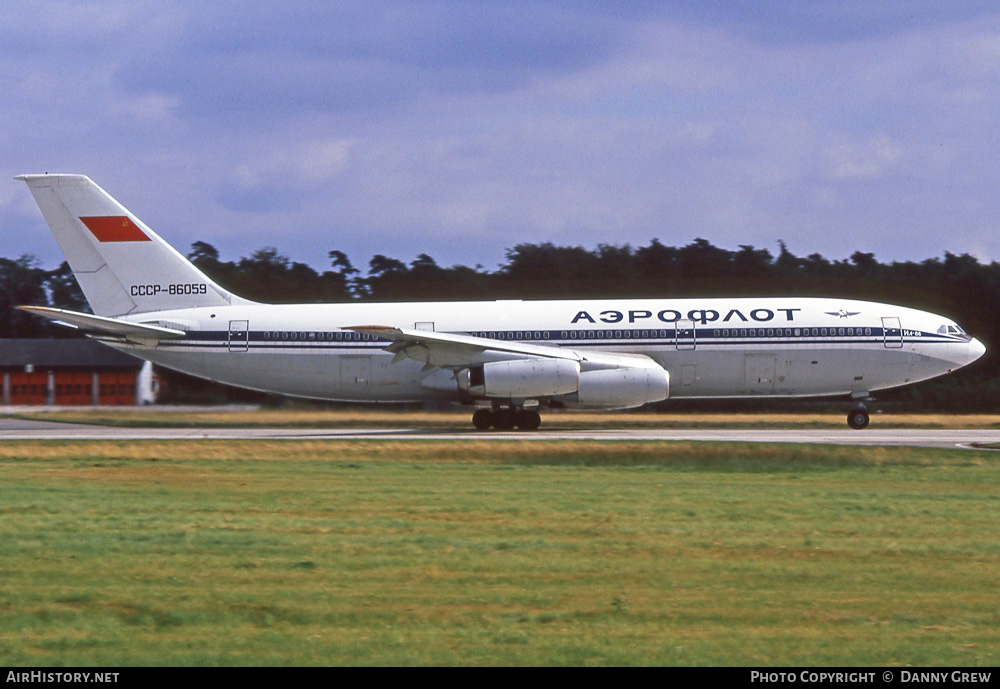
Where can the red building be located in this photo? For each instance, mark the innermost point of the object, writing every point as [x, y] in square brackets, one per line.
[72, 372]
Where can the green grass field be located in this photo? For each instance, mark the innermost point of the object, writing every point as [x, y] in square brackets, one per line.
[415, 553]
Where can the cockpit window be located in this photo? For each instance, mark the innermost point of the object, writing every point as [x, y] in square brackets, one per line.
[952, 329]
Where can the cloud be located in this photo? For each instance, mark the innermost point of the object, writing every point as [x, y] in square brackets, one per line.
[864, 160]
[460, 130]
[274, 180]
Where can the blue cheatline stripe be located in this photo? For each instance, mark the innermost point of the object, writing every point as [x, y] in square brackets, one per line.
[262, 340]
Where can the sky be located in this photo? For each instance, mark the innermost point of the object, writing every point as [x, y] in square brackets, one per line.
[461, 129]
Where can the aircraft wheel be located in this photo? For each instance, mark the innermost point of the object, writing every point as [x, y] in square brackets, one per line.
[482, 419]
[858, 419]
[528, 420]
[503, 419]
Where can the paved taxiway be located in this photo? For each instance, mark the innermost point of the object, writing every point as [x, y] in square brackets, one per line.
[18, 429]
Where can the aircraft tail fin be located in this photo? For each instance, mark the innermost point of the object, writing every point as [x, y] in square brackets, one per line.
[122, 266]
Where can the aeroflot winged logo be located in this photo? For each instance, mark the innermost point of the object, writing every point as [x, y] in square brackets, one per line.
[843, 313]
[114, 228]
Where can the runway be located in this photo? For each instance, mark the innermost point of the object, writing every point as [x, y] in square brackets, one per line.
[19, 429]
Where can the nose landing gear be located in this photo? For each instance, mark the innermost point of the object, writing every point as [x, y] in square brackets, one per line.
[858, 418]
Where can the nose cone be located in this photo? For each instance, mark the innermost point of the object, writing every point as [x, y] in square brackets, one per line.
[976, 349]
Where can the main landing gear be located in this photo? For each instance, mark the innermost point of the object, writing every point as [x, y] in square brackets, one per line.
[506, 418]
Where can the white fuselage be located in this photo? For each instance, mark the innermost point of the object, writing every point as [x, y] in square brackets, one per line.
[148, 299]
[753, 347]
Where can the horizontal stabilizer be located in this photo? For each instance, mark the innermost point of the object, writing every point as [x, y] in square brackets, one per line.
[101, 325]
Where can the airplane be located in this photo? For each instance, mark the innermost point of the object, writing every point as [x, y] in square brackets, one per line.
[506, 358]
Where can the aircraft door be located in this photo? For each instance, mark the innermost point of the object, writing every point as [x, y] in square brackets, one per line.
[239, 336]
[759, 374]
[355, 372]
[892, 332]
[684, 334]
[689, 374]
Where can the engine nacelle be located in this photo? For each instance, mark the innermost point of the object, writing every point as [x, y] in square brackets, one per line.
[610, 388]
[521, 378]
[621, 388]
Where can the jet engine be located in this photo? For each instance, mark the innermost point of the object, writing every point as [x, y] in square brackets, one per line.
[521, 378]
[620, 388]
[609, 388]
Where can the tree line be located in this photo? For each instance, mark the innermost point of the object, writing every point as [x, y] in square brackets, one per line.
[958, 286]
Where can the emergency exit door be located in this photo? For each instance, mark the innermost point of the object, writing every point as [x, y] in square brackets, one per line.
[684, 334]
[239, 340]
[892, 332]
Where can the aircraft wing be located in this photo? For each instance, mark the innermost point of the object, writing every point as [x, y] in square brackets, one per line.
[448, 350]
[101, 325]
